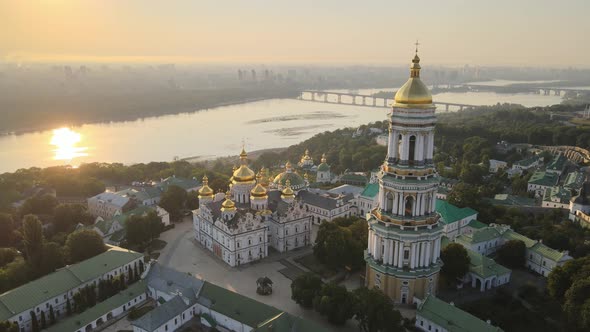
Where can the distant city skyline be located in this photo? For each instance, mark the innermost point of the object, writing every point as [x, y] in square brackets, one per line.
[380, 32]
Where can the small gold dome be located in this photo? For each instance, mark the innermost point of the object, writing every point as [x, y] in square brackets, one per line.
[205, 190]
[228, 204]
[306, 156]
[414, 91]
[258, 191]
[287, 191]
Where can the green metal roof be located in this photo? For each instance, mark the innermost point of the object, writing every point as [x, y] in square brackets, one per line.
[512, 235]
[371, 190]
[323, 167]
[485, 267]
[558, 194]
[558, 163]
[547, 252]
[505, 199]
[236, 306]
[452, 318]
[451, 213]
[80, 321]
[574, 180]
[47, 287]
[484, 234]
[543, 178]
[527, 161]
[181, 182]
[477, 224]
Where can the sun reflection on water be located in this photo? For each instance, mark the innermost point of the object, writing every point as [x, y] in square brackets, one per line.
[65, 141]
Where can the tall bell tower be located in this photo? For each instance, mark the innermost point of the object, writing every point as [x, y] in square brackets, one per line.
[404, 232]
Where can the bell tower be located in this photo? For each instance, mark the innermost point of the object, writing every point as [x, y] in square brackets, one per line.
[404, 233]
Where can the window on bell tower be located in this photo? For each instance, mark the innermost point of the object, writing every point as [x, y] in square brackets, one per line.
[412, 149]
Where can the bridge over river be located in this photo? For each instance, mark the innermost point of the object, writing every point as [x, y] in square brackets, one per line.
[363, 100]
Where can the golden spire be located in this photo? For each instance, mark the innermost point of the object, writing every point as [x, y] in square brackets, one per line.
[414, 93]
[324, 160]
[243, 173]
[258, 191]
[288, 165]
[415, 68]
[243, 156]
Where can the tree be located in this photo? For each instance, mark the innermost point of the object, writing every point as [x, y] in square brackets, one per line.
[34, 322]
[305, 288]
[562, 277]
[512, 254]
[374, 311]
[7, 326]
[335, 302]
[7, 255]
[456, 261]
[577, 304]
[6, 230]
[68, 307]
[52, 258]
[464, 195]
[192, 200]
[83, 244]
[51, 315]
[330, 240]
[67, 216]
[33, 240]
[136, 232]
[43, 320]
[173, 200]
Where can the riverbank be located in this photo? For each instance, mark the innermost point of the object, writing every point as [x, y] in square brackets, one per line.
[252, 155]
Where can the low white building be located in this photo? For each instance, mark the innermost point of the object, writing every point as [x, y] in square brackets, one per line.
[51, 292]
[107, 205]
[496, 165]
[324, 206]
[539, 257]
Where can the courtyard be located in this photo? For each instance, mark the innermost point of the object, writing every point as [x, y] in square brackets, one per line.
[184, 254]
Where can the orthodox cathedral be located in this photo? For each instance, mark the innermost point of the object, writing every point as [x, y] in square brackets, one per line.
[257, 211]
[404, 231]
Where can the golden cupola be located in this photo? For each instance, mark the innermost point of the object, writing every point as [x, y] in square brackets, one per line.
[287, 191]
[258, 191]
[206, 191]
[243, 174]
[228, 204]
[414, 93]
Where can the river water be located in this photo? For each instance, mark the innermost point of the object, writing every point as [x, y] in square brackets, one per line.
[209, 133]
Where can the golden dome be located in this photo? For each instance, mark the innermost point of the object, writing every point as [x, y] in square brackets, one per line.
[205, 190]
[258, 191]
[306, 156]
[287, 191]
[228, 204]
[243, 173]
[414, 92]
[324, 160]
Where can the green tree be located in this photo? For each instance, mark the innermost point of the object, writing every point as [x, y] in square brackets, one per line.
[44, 204]
[305, 288]
[464, 195]
[330, 240]
[7, 255]
[51, 315]
[34, 322]
[173, 200]
[456, 261]
[33, 240]
[577, 304]
[83, 244]
[43, 320]
[137, 233]
[67, 216]
[561, 277]
[6, 230]
[512, 254]
[335, 302]
[374, 311]
[52, 258]
[7, 326]
[192, 200]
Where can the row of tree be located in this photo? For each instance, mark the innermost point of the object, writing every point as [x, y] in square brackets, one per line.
[372, 309]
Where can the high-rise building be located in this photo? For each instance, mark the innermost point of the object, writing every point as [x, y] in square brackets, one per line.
[404, 231]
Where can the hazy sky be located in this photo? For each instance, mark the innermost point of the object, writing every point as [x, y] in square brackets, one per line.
[452, 32]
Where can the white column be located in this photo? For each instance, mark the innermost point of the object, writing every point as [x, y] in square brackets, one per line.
[412, 247]
[405, 147]
[395, 252]
[400, 259]
[430, 145]
[436, 252]
[395, 203]
[401, 204]
[420, 147]
[423, 206]
[415, 206]
[422, 253]
[396, 144]
[382, 198]
[391, 251]
[432, 201]
[391, 143]
[378, 247]
[386, 251]
[428, 251]
[370, 244]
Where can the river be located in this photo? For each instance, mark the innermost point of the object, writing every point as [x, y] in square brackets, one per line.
[209, 133]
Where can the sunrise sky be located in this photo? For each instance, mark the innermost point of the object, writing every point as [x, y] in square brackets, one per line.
[372, 32]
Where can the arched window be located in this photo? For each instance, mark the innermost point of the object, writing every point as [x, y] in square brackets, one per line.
[412, 149]
[409, 206]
